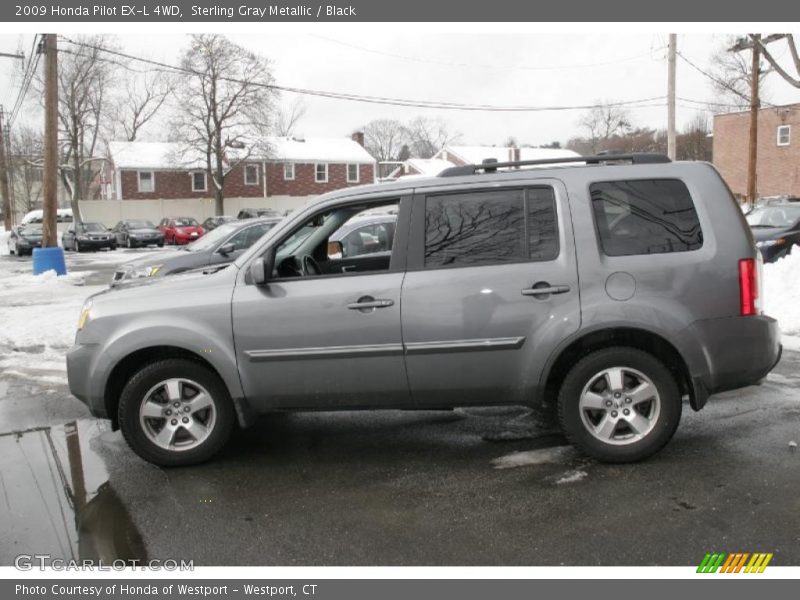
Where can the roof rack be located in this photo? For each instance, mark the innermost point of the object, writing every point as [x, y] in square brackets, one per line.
[490, 165]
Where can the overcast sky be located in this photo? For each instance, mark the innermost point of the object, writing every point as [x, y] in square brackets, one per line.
[495, 69]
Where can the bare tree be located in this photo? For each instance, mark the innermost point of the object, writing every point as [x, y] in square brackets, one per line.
[694, 142]
[85, 82]
[225, 101]
[384, 139]
[603, 122]
[287, 118]
[731, 77]
[142, 98]
[427, 136]
[793, 50]
[25, 162]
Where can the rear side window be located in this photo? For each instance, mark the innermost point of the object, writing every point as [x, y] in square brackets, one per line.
[648, 216]
[490, 227]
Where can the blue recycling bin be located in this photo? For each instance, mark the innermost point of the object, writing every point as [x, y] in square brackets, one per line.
[46, 259]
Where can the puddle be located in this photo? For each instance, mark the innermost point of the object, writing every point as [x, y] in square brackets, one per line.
[55, 498]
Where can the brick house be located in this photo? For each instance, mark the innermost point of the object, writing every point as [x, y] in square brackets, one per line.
[778, 164]
[293, 167]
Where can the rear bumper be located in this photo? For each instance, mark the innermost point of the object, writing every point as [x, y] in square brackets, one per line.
[737, 352]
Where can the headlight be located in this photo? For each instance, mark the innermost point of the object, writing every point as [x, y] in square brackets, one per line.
[770, 243]
[139, 272]
[83, 238]
[83, 319]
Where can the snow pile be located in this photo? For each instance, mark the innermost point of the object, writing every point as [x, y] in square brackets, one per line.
[39, 314]
[543, 456]
[4, 241]
[782, 294]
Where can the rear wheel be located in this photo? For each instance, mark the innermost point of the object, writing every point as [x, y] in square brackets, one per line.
[619, 405]
[176, 412]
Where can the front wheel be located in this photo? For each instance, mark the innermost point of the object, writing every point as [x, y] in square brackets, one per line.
[619, 405]
[176, 412]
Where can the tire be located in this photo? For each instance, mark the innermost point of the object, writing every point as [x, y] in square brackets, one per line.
[161, 244]
[605, 433]
[147, 388]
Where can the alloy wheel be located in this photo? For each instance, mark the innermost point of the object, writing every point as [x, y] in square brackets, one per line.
[177, 414]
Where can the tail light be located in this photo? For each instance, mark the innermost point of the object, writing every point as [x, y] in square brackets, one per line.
[749, 275]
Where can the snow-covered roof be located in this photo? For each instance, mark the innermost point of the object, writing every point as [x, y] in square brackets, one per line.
[154, 155]
[476, 154]
[166, 155]
[341, 150]
[422, 167]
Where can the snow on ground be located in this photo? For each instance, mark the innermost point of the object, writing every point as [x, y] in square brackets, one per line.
[39, 314]
[543, 456]
[782, 296]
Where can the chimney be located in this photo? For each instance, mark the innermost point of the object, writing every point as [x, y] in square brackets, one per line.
[358, 137]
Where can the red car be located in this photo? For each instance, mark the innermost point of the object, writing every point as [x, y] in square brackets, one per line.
[180, 230]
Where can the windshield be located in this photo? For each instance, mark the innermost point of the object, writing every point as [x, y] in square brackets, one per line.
[93, 227]
[186, 222]
[212, 238]
[773, 216]
[140, 225]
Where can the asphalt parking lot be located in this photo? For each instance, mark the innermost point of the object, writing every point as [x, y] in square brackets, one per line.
[464, 487]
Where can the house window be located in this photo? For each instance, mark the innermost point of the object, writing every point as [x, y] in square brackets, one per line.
[321, 173]
[147, 181]
[199, 181]
[352, 173]
[288, 171]
[784, 135]
[251, 175]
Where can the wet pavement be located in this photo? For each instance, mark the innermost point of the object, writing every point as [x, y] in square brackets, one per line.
[463, 487]
[421, 488]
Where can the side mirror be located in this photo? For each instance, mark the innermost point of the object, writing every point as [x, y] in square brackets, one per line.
[226, 249]
[260, 270]
[335, 250]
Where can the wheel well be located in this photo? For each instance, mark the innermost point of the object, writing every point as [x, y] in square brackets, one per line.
[633, 338]
[125, 369]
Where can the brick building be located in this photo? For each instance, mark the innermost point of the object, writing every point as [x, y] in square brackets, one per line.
[293, 168]
[778, 165]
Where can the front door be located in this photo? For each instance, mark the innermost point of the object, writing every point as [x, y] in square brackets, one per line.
[316, 338]
[491, 289]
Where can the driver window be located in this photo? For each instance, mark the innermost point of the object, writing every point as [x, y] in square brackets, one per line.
[342, 241]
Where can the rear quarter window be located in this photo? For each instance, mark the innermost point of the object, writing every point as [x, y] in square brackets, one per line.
[645, 216]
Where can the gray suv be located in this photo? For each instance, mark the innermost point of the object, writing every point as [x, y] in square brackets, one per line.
[610, 289]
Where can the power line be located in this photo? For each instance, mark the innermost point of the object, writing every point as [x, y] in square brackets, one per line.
[640, 103]
[493, 66]
[30, 71]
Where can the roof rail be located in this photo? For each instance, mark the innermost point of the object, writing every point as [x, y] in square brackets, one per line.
[490, 165]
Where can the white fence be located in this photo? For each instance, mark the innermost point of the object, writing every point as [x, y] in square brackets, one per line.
[110, 212]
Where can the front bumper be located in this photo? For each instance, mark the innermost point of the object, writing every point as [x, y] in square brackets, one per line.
[81, 359]
[95, 244]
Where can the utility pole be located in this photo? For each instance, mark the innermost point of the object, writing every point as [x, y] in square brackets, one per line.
[50, 200]
[752, 156]
[672, 52]
[4, 174]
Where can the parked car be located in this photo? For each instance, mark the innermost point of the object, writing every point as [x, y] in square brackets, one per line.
[362, 237]
[180, 230]
[610, 303]
[252, 213]
[776, 229]
[134, 233]
[215, 249]
[88, 236]
[23, 239]
[63, 215]
[214, 222]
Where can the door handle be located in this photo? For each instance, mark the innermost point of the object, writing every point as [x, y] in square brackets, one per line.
[368, 302]
[348, 268]
[545, 289]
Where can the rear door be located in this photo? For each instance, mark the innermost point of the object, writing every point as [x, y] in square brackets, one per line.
[491, 289]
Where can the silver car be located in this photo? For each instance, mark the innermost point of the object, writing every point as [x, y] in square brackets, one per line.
[609, 290]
